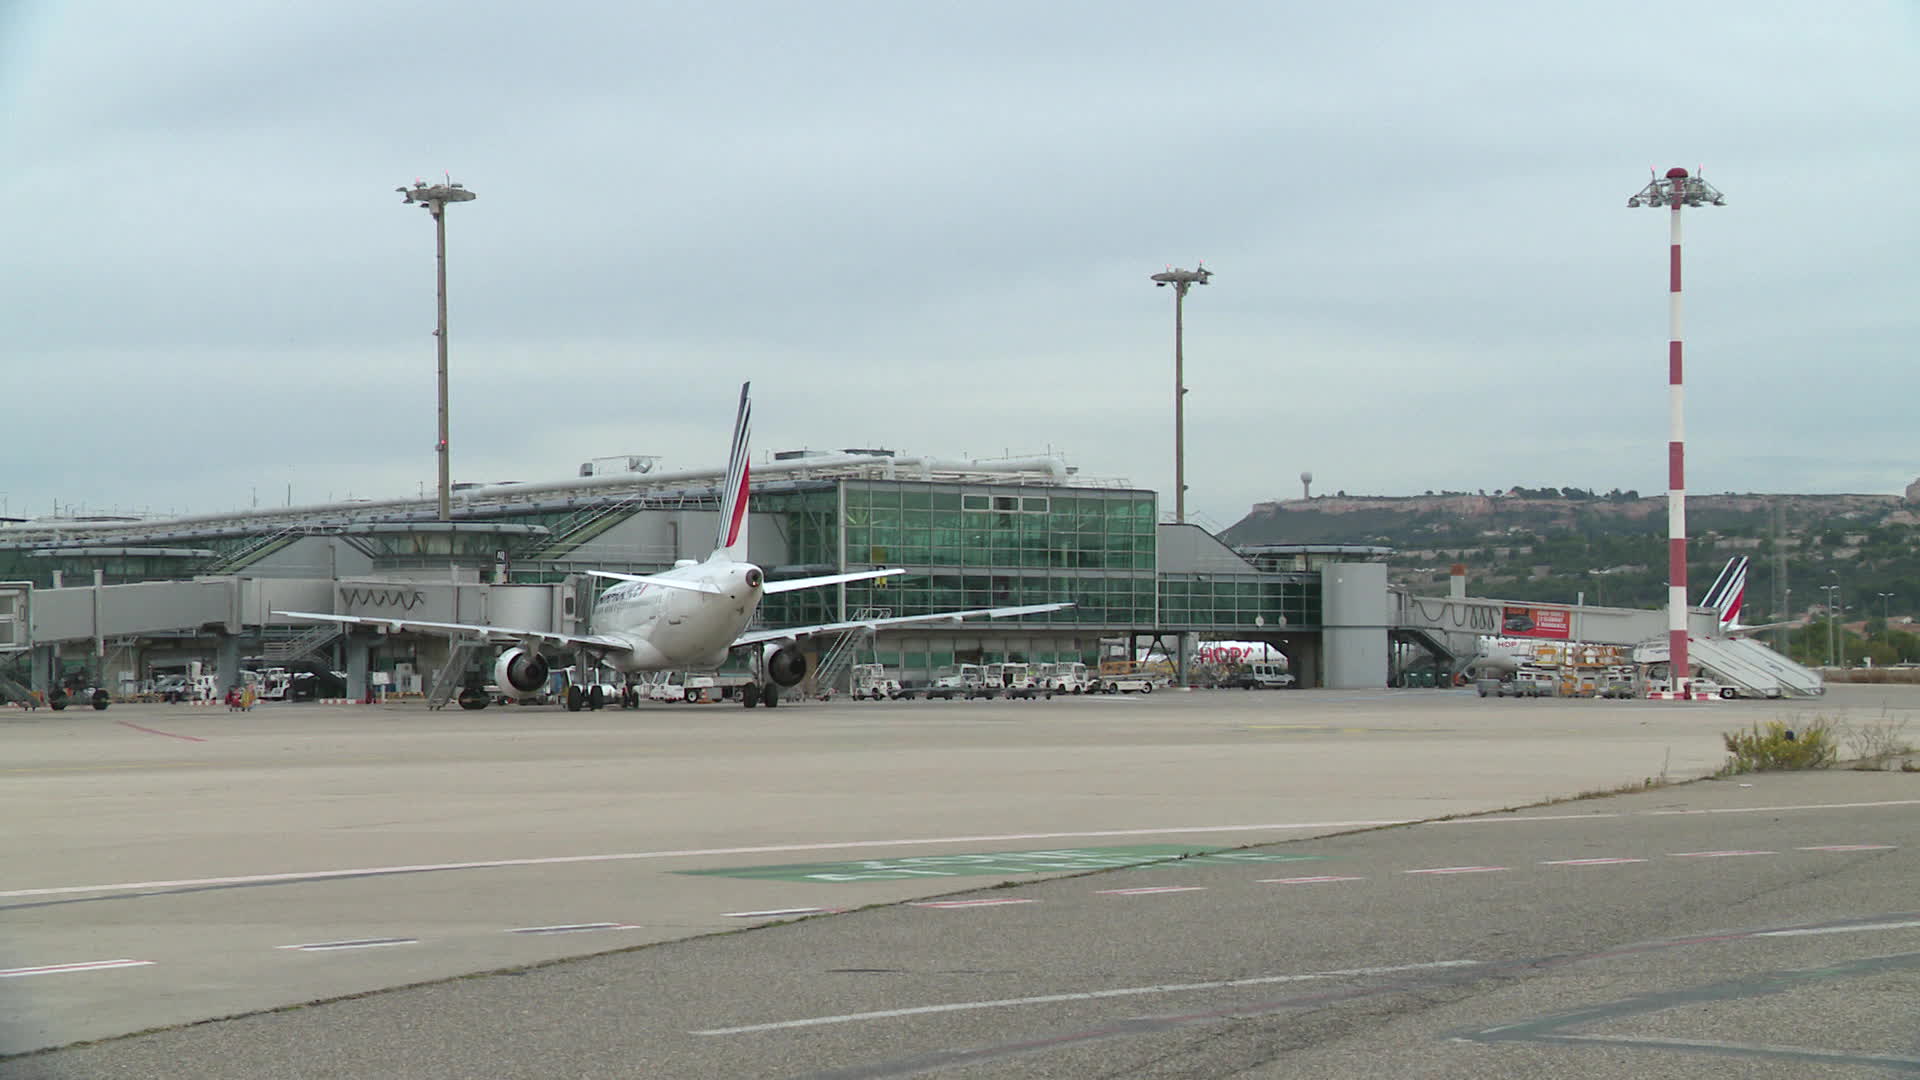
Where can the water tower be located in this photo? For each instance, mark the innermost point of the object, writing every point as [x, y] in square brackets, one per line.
[1306, 485]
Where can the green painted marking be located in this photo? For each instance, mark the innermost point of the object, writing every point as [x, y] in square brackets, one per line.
[998, 864]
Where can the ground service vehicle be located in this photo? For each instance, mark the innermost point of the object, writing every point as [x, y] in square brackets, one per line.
[1065, 678]
[871, 683]
[1260, 676]
[1015, 680]
[960, 680]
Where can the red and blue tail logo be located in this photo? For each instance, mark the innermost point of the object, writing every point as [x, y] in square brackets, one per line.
[732, 541]
[1729, 591]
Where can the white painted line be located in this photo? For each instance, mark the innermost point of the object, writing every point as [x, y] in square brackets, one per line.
[574, 928]
[364, 943]
[968, 903]
[1716, 854]
[1588, 862]
[778, 912]
[1456, 870]
[1309, 880]
[627, 856]
[1855, 929]
[1090, 995]
[1850, 847]
[1500, 818]
[1776, 809]
[1151, 889]
[62, 969]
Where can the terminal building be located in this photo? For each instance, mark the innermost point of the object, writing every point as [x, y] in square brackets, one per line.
[117, 598]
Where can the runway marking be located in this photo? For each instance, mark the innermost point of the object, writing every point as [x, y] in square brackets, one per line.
[1716, 854]
[558, 860]
[1850, 847]
[363, 943]
[628, 856]
[1088, 995]
[779, 912]
[1456, 870]
[1506, 817]
[1150, 889]
[575, 928]
[62, 969]
[1309, 880]
[1588, 862]
[157, 731]
[1856, 928]
[970, 903]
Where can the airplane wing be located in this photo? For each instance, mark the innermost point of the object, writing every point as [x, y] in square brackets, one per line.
[592, 641]
[755, 637]
[830, 579]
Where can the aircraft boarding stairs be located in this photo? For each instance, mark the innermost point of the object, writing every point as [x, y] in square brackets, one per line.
[1742, 663]
[11, 691]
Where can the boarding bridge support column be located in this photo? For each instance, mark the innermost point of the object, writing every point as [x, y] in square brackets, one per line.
[226, 666]
[1353, 610]
[45, 663]
[359, 661]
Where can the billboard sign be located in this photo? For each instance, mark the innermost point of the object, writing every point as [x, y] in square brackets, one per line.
[1536, 622]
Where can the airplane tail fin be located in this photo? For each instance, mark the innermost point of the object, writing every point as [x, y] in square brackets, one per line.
[1729, 591]
[732, 541]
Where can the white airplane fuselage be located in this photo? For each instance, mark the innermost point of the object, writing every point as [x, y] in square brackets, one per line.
[671, 628]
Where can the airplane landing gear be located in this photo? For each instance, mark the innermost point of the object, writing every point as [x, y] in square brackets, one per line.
[750, 695]
[574, 698]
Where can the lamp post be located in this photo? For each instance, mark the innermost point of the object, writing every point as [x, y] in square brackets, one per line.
[1832, 592]
[1884, 597]
[1675, 190]
[1839, 613]
[435, 200]
[1181, 280]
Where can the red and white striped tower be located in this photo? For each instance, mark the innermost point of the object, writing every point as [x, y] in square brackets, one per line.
[1674, 191]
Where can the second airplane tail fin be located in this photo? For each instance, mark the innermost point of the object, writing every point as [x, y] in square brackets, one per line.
[732, 540]
[1729, 591]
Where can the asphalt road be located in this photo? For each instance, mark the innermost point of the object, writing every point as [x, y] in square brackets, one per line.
[163, 880]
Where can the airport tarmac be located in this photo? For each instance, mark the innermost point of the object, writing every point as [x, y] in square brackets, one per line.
[174, 864]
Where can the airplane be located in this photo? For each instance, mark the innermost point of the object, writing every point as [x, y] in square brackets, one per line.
[688, 618]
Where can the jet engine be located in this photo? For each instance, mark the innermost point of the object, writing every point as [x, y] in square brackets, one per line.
[520, 673]
[786, 664]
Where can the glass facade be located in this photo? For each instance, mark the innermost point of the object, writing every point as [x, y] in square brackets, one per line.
[970, 546]
[1240, 601]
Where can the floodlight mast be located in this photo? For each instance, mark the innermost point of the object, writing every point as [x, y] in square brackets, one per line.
[435, 199]
[1675, 190]
[1181, 280]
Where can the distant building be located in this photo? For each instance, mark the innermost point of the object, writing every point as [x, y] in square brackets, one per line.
[1913, 492]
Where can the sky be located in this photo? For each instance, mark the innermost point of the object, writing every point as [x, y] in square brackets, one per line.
[930, 227]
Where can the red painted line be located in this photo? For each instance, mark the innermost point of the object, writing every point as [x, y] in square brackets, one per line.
[153, 731]
[968, 903]
[1851, 847]
[1309, 880]
[1588, 862]
[61, 969]
[1717, 854]
[1151, 889]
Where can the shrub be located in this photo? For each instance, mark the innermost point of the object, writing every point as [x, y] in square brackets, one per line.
[1777, 746]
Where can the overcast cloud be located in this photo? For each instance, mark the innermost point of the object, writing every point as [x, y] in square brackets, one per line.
[929, 226]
